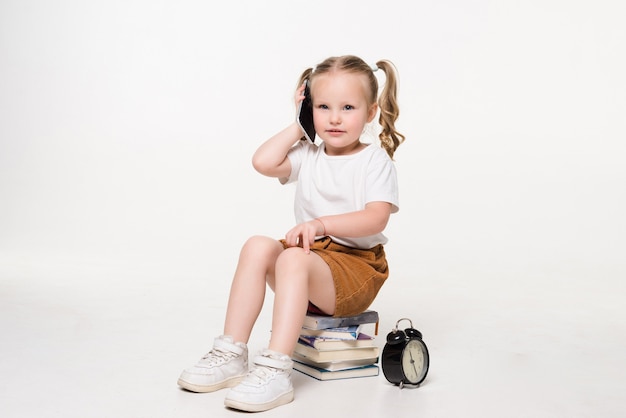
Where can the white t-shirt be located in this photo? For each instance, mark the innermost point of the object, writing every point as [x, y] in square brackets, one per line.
[333, 185]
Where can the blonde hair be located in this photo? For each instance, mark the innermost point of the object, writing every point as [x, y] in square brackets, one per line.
[390, 138]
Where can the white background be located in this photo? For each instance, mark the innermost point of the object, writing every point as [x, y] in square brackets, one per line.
[126, 191]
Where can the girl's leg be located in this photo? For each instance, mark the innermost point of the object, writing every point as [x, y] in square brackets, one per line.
[227, 362]
[298, 278]
[255, 268]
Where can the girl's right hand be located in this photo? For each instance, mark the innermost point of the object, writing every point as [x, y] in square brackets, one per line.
[299, 96]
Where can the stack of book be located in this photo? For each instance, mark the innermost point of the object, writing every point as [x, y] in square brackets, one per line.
[332, 348]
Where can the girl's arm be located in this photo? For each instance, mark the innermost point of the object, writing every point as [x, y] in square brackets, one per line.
[270, 159]
[369, 221]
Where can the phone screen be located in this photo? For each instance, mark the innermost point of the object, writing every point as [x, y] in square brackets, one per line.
[305, 114]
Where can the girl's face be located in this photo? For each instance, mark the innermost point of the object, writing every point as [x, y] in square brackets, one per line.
[340, 111]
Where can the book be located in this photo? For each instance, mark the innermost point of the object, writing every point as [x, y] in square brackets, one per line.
[317, 356]
[322, 374]
[315, 321]
[323, 344]
[341, 333]
[335, 365]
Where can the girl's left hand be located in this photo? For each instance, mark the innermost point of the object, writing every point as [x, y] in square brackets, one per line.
[303, 235]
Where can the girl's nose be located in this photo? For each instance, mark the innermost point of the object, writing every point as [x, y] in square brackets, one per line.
[335, 117]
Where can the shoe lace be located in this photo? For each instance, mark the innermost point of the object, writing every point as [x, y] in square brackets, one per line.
[260, 374]
[216, 357]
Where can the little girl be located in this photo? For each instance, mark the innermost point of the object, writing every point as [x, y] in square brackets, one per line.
[333, 260]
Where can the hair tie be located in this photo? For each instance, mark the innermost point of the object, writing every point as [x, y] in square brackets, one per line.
[374, 67]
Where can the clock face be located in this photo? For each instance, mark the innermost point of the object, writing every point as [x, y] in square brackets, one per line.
[415, 361]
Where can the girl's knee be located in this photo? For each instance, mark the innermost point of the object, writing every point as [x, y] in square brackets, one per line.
[292, 262]
[292, 255]
[260, 251]
[259, 240]
[263, 244]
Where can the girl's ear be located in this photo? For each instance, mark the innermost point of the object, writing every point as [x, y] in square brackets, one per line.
[372, 112]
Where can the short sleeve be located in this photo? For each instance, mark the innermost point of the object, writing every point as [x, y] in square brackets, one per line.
[382, 183]
[296, 155]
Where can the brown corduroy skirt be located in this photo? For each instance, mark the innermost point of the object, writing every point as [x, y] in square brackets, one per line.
[358, 274]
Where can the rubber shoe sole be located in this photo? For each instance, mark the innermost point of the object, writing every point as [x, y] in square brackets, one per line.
[228, 383]
[283, 399]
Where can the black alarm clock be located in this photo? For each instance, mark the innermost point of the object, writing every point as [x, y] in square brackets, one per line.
[405, 358]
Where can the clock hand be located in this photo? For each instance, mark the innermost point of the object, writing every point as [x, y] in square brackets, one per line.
[413, 362]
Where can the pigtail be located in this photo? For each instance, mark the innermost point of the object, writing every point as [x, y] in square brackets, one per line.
[390, 138]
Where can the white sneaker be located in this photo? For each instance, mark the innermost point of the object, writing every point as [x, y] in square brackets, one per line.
[222, 367]
[266, 386]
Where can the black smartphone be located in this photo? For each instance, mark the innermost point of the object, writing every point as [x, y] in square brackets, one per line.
[305, 114]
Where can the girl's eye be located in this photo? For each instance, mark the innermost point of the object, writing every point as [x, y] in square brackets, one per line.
[348, 107]
[323, 106]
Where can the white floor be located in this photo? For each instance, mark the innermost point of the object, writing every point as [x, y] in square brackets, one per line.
[103, 339]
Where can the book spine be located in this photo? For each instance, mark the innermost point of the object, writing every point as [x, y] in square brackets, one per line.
[322, 322]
